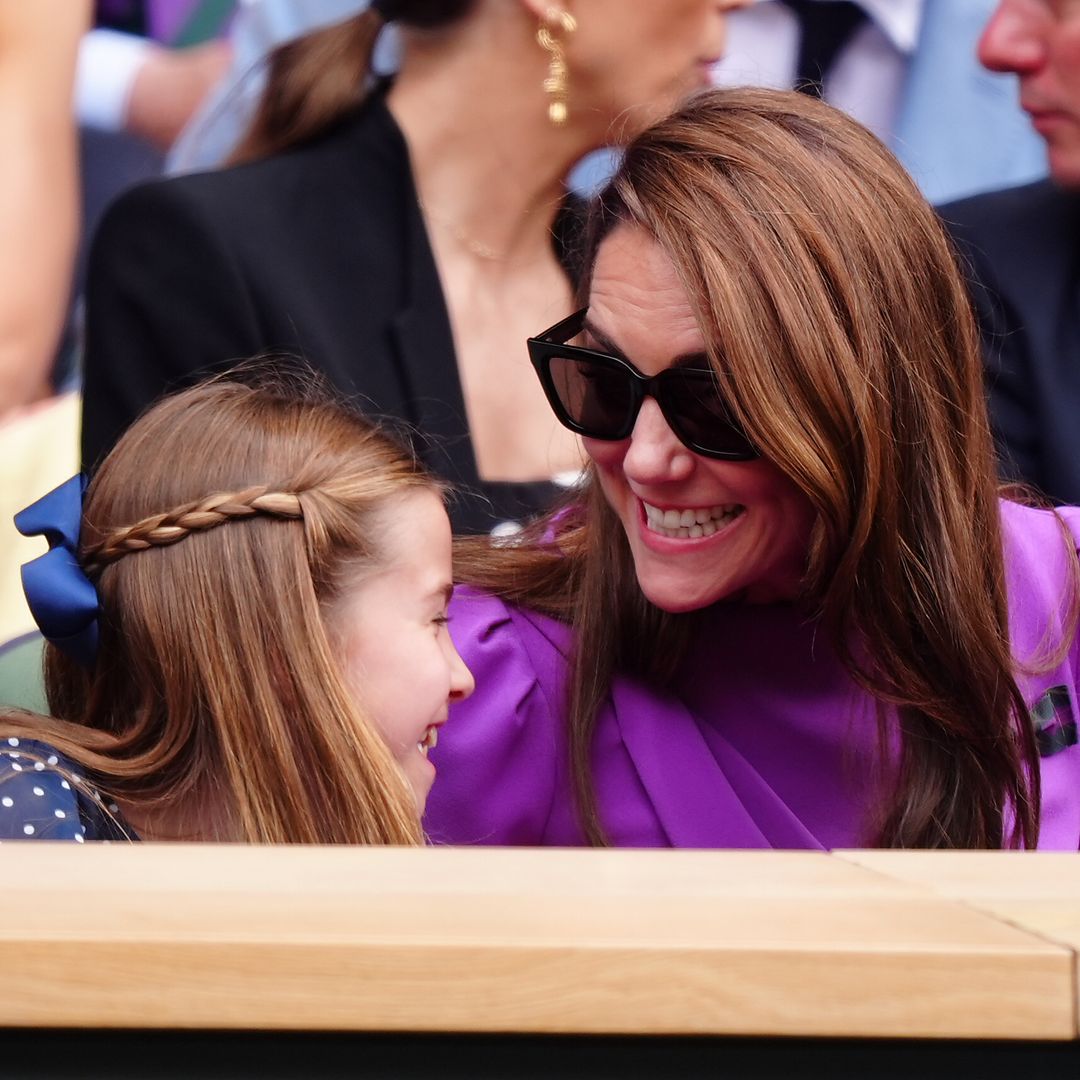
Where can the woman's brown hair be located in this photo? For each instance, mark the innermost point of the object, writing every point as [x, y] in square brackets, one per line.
[219, 531]
[317, 80]
[840, 331]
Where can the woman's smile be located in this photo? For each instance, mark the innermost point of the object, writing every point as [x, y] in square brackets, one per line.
[689, 523]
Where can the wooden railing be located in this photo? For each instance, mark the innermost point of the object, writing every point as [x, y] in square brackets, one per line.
[880, 944]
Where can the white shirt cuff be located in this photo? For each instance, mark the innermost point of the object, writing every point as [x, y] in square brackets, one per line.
[105, 75]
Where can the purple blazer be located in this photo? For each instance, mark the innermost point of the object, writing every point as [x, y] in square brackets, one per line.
[762, 740]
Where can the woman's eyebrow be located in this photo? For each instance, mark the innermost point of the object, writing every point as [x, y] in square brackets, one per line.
[605, 344]
[602, 340]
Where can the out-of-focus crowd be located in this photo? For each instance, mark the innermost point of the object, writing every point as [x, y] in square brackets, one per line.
[168, 86]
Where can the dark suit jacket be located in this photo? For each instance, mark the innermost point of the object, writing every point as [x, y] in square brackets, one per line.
[1023, 248]
[320, 252]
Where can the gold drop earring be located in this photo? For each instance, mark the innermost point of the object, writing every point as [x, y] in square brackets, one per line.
[556, 85]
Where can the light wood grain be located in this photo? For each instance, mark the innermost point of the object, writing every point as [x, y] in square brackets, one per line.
[1038, 892]
[507, 940]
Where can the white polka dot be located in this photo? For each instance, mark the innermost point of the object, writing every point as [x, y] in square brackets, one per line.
[39, 791]
[7, 801]
[16, 766]
[83, 827]
[65, 785]
[53, 759]
[79, 839]
[60, 813]
[39, 766]
[13, 755]
[13, 741]
[77, 779]
[113, 808]
[28, 829]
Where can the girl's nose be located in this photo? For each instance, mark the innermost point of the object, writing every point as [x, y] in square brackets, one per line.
[462, 683]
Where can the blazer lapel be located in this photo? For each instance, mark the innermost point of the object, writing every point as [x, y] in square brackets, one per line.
[423, 341]
[422, 344]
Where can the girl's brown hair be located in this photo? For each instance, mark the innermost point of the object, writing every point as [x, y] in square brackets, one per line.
[840, 331]
[317, 80]
[219, 531]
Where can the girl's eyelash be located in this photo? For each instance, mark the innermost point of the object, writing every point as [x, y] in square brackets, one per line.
[442, 620]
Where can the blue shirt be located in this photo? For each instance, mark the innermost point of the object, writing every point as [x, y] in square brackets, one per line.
[43, 796]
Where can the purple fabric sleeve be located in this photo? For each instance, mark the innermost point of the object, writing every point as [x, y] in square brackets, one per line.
[500, 756]
[762, 739]
[1037, 558]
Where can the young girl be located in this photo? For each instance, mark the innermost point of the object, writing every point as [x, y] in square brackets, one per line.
[247, 634]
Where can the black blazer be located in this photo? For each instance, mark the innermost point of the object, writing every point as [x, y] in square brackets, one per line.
[1022, 246]
[320, 252]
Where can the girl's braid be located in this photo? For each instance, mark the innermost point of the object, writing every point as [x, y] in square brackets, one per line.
[161, 529]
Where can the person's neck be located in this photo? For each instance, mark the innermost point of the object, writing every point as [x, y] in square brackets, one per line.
[488, 165]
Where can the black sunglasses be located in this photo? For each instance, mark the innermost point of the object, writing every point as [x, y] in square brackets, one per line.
[599, 396]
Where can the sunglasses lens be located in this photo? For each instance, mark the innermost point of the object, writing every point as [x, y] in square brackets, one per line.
[699, 415]
[598, 398]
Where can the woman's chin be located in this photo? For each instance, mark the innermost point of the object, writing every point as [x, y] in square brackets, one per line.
[677, 600]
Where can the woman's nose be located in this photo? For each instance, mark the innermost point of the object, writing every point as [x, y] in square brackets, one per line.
[655, 454]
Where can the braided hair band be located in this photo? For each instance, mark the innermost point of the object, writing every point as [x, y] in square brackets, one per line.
[160, 530]
[64, 601]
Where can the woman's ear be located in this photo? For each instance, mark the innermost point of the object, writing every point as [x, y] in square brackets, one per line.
[549, 11]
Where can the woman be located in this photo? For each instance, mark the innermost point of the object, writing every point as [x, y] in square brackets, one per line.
[259, 574]
[789, 608]
[404, 238]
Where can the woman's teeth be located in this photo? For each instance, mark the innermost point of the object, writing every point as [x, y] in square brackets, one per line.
[429, 741]
[690, 524]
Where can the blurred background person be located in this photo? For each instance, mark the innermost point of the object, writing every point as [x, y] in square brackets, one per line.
[38, 231]
[147, 64]
[257, 28]
[144, 69]
[38, 188]
[127, 74]
[907, 70]
[1023, 248]
[403, 237]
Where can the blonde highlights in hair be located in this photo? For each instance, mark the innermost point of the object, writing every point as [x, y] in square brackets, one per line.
[840, 332]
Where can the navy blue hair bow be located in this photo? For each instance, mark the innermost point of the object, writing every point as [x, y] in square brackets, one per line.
[62, 599]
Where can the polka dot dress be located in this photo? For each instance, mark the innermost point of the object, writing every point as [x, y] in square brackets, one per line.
[43, 797]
